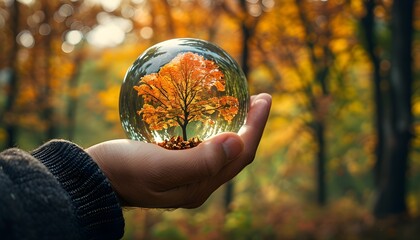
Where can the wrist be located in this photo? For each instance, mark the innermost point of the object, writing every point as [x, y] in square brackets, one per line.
[95, 203]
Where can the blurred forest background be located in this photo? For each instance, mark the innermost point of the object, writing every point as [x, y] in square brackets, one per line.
[340, 158]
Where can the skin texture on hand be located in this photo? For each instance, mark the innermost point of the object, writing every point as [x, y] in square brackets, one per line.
[148, 176]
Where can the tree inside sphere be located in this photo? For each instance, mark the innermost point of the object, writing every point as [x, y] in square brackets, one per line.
[182, 91]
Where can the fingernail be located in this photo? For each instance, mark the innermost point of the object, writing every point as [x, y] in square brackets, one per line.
[232, 147]
[263, 98]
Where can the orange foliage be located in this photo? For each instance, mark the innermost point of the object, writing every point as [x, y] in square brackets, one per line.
[185, 90]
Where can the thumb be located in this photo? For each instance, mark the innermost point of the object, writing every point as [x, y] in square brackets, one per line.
[187, 176]
[181, 167]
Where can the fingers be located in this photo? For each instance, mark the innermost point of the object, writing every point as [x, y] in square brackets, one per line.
[183, 167]
[251, 132]
[212, 155]
[193, 195]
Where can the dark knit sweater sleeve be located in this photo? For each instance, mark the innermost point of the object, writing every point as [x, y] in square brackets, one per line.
[97, 206]
[33, 205]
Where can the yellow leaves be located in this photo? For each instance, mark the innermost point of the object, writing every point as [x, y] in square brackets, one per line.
[117, 60]
[281, 130]
[416, 108]
[358, 7]
[339, 45]
[107, 99]
[413, 204]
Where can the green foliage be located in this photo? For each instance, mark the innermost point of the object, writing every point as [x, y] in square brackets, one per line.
[241, 224]
[163, 231]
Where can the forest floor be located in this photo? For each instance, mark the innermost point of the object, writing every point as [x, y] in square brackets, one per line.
[405, 228]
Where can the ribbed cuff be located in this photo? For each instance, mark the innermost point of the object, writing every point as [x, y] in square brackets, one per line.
[96, 204]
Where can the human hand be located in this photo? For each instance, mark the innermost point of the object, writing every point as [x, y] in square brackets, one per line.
[146, 175]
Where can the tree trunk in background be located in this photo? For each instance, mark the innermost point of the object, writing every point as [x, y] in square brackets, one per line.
[320, 163]
[318, 102]
[247, 28]
[370, 44]
[73, 98]
[12, 89]
[391, 189]
[48, 108]
[169, 19]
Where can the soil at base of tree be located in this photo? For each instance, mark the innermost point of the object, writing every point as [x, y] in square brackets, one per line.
[178, 143]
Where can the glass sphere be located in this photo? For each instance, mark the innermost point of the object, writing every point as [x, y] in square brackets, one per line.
[186, 88]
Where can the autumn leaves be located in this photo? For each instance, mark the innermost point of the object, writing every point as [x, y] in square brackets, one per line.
[185, 90]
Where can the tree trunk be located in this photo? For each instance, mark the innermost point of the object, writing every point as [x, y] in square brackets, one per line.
[12, 91]
[320, 163]
[321, 67]
[368, 27]
[391, 190]
[184, 132]
[73, 98]
[247, 31]
[48, 111]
